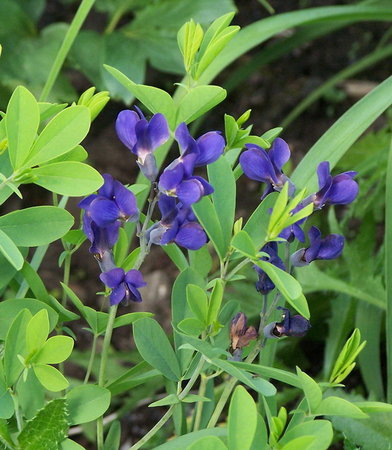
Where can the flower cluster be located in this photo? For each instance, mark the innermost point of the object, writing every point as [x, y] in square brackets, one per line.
[176, 190]
[342, 189]
[104, 213]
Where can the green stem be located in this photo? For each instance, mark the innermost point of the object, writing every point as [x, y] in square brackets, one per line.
[69, 39]
[19, 420]
[102, 368]
[170, 411]
[388, 272]
[67, 271]
[117, 16]
[200, 405]
[91, 360]
[238, 267]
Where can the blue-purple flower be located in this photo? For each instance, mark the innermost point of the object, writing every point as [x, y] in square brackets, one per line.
[178, 224]
[294, 231]
[259, 165]
[124, 285]
[295, 326]
[338, 190]
[178, 180]
[264, 284]
[113, 204]
[330, 247]
[143, 137]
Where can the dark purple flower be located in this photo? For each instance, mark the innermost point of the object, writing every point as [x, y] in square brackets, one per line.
[177, 180]
[209, 147]
[338, 190]
[264, 284]
[295, 326]
[330, 247]
[178, 224]
[143, 137]
[124, 285]
[113, 203]
[259, 165]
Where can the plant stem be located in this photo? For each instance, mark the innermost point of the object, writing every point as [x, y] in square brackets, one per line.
[102, 368]
[67, 271]
[69, 39]
[18, 417]
[200, 405]
[91, 360]
[170, 411]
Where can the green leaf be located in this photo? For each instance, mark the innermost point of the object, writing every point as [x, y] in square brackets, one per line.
[257, 224]
[198, 302]
[170, 399]
[264, 387]
[21, 123]
[113, 438]
[86, 403]
[182, 442]
[7, 407]
[198, 101]
[200, 260]
[31, 394]
[311, 389]
[15, 344]
[48, 428]
[191, 326]
[208, 218]
[70, 178]
[156, 100]
[69, 444]
[50, 378]
[11, 307]
[189, 39]
[55, 350]
[220, 175]
[39, 225]
[339, 138]
[10, 251]
[303, 442]
[207, 443]
[374, 407]
[243, 243]
[215, 301]
[5, 435]
[271, 372]
[288, 286]
[336, 406]
[242, 421]
[37, 331]
[63, 133]
[320, 430]
[129, 318]
[154, 347]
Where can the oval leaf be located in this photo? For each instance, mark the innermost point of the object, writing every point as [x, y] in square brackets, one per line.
[39, 225]
[68, 178]
[10, 251]
[154, 346]
[87, 403]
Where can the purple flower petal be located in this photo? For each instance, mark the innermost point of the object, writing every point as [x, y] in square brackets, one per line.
[211, 146]
[149, 167]
[126, 201]
[279, 153]
[257, 166]
[133, 294]
[331, 247]
[171, 177]
[190, 191]
[104, 212]
[158, 130]
[343, 191]
[118, 294]
[323, 174]
[113, 278]
[298, 258]
[125, 127]
[170, 234]
[103, 239]
[314, 234]
[207, 188]
[135, 278]
[86, 202]
[166, 204]
[191, 236]
[183, 137]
